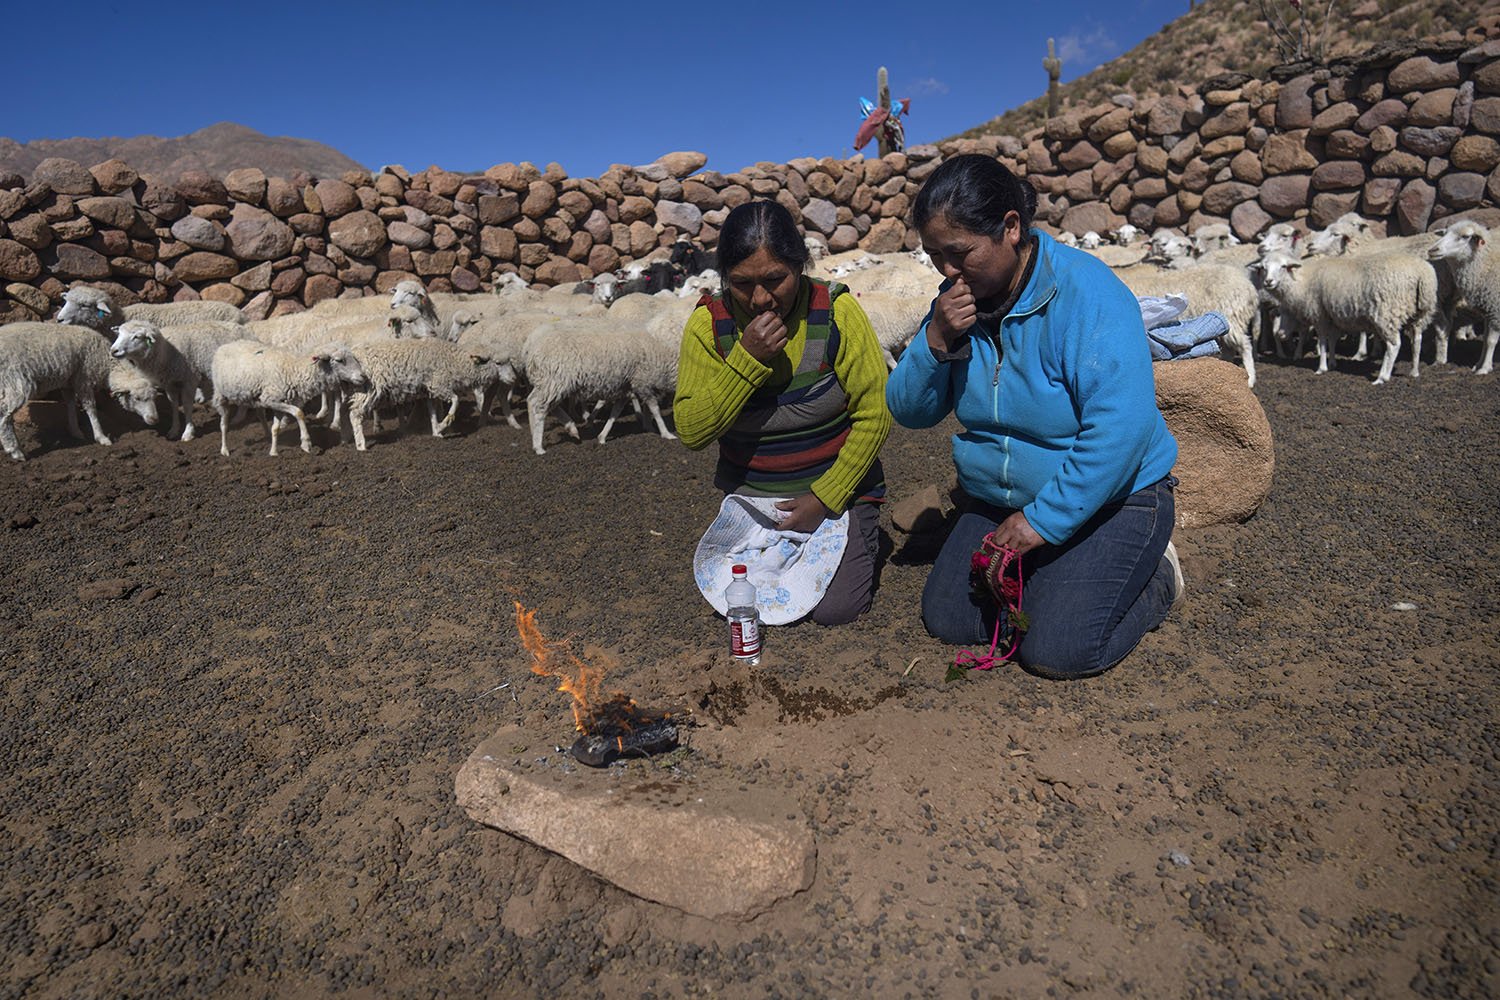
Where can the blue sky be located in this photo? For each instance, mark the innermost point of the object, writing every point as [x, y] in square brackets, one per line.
[466, 85]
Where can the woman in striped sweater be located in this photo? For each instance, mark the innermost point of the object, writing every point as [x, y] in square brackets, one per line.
[785, 373]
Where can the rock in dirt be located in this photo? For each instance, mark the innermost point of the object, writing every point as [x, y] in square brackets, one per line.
[688, 848]
[1225, 458]
[920, 513]
[106, 590]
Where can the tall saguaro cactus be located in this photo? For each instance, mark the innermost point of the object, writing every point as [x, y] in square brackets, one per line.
[1053, 66]
[883, 99]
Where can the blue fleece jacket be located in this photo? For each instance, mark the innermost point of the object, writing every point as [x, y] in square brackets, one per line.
[1063, 420]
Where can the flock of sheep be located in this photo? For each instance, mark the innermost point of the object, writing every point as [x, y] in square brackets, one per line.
[1341, 281]
[579, 348]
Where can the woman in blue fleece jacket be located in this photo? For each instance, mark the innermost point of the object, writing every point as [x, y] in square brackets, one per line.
[1040, 352]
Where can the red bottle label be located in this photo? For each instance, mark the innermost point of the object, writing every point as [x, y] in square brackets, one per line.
[744, 636]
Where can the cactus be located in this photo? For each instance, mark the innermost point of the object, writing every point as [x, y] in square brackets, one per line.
[883, 99]
[1053, 66]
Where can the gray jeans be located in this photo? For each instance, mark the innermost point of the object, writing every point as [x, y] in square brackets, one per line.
[852, 589]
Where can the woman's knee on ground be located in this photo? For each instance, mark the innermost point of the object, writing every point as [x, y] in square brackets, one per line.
[1062, 653]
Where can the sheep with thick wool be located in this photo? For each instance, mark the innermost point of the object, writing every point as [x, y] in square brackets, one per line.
[89, 307]
[141, 343]
[1351, 235]
[250, 373]
[37, 358]
[1465, 251]
[400, 370]
[1389, 295]
[165, 314]
[1219, 288]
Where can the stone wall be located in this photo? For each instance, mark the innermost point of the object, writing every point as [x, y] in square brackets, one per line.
[1407, 136]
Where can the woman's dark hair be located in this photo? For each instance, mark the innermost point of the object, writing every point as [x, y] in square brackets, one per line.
[975, 192]
[756, 225]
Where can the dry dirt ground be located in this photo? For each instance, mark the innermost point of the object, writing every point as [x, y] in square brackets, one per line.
[237, 691]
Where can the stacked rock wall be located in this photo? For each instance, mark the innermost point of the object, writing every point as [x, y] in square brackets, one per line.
[1405, 136]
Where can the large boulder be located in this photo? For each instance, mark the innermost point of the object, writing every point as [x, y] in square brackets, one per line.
[715, 856]
[681, 164]
[64, 176]
[1225, 457]
[256, 234]
[358, 233]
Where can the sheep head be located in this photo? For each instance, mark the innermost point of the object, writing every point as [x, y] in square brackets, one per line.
[337, 365]
[1460, 242]
[90, 307]
[409, 293]
[1281, 270]
[134, 339]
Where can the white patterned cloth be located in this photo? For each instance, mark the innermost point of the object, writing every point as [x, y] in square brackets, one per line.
[791, 570]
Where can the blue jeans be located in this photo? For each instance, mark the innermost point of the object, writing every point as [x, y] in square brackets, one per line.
[1089, 599]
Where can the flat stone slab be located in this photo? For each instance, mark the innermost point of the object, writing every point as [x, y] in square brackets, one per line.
[708, 851]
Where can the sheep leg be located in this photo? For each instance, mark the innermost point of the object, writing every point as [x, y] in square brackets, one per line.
[91, 410]
[480, 412]
[223, 426]
[505, 410]
[661, 425]
[452, 415]
[185, 404]
[8, 427]
[1491, 335]
[1388, 362]
[614, 411]
[1326, 360]
[296, 413]
[1363, 351]
[357, 403]
[70, 407]
[322, 413]
[536, 416]
[569, 424]
[1305, 334]
[1417, 329]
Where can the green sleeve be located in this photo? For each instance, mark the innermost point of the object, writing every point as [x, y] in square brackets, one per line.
[711, 390]
[860, 367]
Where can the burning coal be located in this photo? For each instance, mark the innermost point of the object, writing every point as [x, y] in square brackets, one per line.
[612, 726]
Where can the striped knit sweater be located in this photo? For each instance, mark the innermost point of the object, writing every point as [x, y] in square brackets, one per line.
[712, 391]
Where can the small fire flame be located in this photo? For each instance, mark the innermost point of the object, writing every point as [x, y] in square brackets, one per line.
[593, 711]
[555, 659]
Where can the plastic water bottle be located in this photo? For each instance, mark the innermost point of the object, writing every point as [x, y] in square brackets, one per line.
[744, 619]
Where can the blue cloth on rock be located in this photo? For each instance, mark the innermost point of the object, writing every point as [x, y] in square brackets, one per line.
[1196, 337]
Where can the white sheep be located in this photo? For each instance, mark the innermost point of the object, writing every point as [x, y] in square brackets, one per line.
[400, 370]
[165, 314]
[1067, 239]
[249, 373]
[816, 248]
[593, 359]
[421, 318]
[1352, 235]
[1090, 240]
[1218, 288]
[133, 391]
[93, 308]
[895, 318]
[37, 358]
[141, 343]
[1127, 235]
[1214, 236]
[1388, 294]
[1465, 251]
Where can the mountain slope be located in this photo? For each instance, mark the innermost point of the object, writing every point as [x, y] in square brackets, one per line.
[217, 149]
[1231, 35]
